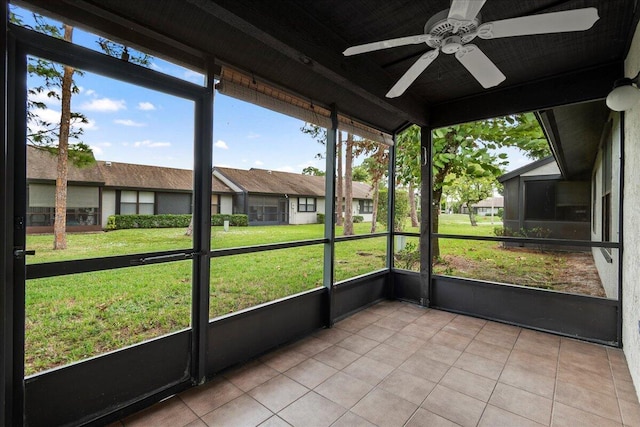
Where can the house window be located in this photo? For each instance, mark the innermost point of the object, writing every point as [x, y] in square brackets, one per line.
[366, 206]
[306, 204]
[215, 204]
[606, 192]
[137, 202]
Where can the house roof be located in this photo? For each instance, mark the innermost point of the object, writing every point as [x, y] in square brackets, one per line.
[264, 181]
[495, 202]
[526, 168]
[41, 165]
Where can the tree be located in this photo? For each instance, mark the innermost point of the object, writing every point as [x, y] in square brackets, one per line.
[469, 191]
[376, 167]
[348, 187]
[313, 171]
[408, 156]
[57, 83]
[471, 149]
[360, 173]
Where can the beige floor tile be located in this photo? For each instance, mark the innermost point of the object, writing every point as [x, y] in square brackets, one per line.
[490, 335]
[384, 409]
[350, 325]
[310, 373]
[439, 352]
[423, 332]
[576, 375]
[376, 333]
[312, 410]
[251, 375]
[402, 341]
[471, 384]
[243, 411]
[406, 316]
[625, 390]
[278, 392]
[210, 396]
[538, 347]
[567, 416]
[497, 417]
[597, 403]
[358, 344]
[454, 406]
[537, 364]
[310, 346]
[332, 335]
[336, 357]
[407, 386]
[349, 419]
[392, 323]
[284, 359]
[196, 423]
[425, 367]
[275, 421]
[170, 413]
[524, 379]
[368, 370]
[523, 403]
[451, 339]
[344, 389]
[366, 316]
[488, 351]
[422, 418]
[479, 365]
[630, 413]
[435, 319]
[390, 355]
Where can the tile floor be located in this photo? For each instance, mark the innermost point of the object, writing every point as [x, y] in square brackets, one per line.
[398, 364]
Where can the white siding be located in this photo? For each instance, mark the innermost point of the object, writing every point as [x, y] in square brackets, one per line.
[297, 218]
[548, 169]
[631, 215]
[108, 205]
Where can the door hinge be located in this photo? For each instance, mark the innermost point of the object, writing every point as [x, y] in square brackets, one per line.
[21, 253]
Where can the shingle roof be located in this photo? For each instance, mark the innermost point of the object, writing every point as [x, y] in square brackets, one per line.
[41, 165]
[496, 202]
[275, 182]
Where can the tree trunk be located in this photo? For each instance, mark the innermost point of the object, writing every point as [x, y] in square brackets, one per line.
[472, 217]
[412, 204]
[374, 214]
[435, 218]
[60, 222]
[339, 183]
[189, 231]
[348, 187]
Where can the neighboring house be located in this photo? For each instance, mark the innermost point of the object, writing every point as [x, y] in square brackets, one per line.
[273, 197]
[111, 188]
[485, 207]
[538, 196]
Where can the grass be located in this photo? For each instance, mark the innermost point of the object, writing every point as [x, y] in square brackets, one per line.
[70, 318]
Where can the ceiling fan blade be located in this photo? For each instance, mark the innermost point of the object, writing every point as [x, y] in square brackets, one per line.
[386, 44]
[480, 66]
[412, 73]
[465, 10]
[554, 22]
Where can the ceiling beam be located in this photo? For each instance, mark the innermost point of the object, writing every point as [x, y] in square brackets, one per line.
[580, 86]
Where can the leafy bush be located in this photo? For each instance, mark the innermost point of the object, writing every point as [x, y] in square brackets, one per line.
[357, 219]
[500, 212]
[402, 209]
[121, 222]
[320, 217]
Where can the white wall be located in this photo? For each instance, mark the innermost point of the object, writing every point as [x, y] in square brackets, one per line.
[297, 218]
[108, 205]
[631, 224]
[548, 169]
[608, 268]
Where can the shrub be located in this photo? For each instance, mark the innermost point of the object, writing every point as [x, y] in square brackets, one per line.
[320, 217]
[357, 219]
[121, 222]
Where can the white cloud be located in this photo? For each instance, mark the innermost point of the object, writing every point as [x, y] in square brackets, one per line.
[155, 66]
[44, 97]
[128, 122]
[151, 144]
[193, 76]
[285, 169]
[90, 92]
[258, 163]
[97, 150]
[105, 105]
[253, 135]
[146, 106]
[221, 144]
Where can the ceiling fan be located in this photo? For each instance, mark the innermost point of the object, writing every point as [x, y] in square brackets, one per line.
[451, 31]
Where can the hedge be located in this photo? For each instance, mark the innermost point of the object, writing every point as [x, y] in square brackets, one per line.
[120, 222]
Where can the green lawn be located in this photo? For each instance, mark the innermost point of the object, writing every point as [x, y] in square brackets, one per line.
[73, 317]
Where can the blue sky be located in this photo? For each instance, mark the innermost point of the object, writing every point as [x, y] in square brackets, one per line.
[136, 125]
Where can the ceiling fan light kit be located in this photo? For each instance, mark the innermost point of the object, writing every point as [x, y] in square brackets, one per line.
[625, 94]
[450, 31]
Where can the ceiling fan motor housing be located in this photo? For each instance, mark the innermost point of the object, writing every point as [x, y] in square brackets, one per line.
[442, 29]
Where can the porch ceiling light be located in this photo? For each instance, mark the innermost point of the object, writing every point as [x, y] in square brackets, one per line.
[625, 94]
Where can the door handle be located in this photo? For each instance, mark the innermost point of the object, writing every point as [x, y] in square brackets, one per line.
[21, 253]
